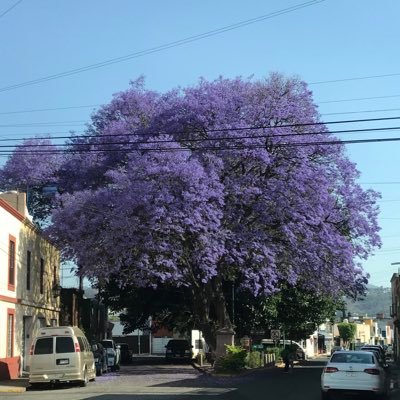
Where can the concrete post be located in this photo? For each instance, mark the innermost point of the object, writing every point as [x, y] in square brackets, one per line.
[224, 336]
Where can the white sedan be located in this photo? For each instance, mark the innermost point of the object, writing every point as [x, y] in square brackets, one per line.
[354, 372]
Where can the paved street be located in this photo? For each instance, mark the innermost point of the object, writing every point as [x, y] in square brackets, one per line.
[160, 381]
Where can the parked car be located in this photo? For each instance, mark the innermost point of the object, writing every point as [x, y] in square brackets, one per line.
[113, 354]
[337, 348]
[61, 354]
[389, 351]
[179, 350]
[100, 358]
[379, 352]
[354, 372]
[126, 353]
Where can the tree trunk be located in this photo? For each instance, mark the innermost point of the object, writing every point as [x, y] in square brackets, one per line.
[210, 310]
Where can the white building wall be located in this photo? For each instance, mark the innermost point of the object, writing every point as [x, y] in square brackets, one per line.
[9, 225]
[30, 308]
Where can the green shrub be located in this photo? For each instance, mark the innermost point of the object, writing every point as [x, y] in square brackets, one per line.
[253, 359]
[233, 361]
[274, 350]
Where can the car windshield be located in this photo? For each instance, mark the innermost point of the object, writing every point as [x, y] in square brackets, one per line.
[180, 344]
[356, 358]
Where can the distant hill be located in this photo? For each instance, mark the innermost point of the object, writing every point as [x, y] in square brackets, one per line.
[378, 300]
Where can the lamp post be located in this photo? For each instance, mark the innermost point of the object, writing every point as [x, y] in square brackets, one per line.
[56, 290]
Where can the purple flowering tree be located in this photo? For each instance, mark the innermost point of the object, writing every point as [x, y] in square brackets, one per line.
[33, 165]
[223, 181]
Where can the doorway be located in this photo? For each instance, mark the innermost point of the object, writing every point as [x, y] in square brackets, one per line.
[27, 331]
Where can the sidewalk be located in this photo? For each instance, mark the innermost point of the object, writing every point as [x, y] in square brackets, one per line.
[18, 385]
[208, 369]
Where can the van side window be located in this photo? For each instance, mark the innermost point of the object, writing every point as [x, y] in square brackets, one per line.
[64, 345]
[81, 343]
[44, 346]
[87, 344]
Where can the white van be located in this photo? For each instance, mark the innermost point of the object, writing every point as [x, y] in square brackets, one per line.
[61, 354]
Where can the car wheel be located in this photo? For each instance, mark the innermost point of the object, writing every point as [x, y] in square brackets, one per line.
[85, 379]
[383, 396]
[324, 395]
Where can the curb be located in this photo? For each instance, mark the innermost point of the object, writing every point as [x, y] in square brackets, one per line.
[211, 372]
[12, 389]
[202, 369]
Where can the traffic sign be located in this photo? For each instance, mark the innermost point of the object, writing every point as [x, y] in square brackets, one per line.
[275, 334]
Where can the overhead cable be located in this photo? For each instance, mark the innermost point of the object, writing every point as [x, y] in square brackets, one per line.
[165, 46]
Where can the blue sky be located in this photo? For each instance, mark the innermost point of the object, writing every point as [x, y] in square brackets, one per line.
[320, 41]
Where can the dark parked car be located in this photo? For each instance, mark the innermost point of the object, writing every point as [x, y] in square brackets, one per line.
[100, 358]
[126, 353]
[113, 354]
[179, 350]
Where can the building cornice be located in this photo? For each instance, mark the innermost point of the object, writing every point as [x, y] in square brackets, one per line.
[28, 223]
[40, 306]
[9, 299]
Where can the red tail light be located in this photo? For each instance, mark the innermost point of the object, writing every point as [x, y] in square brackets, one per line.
[330, 370]
[372, 371]
[77, 347]
[31, 350]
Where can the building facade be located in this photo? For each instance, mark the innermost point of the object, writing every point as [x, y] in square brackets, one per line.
[395, 310]
[29, 283]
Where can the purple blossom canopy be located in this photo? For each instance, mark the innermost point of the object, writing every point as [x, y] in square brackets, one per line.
[223, 179]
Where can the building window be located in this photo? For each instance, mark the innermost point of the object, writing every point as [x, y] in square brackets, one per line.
[55, 276]
[28, 270]
[41, 276]
[10, 333]
[11, 263]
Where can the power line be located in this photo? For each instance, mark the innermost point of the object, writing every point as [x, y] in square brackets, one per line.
[165, 46]
[226, 138]
[99, 105]
[357, 78]
[45, 124]
[206, 148]
[191, 140]
[362, 111]
[243, 128]
[10, 8]
[48, 109]
[380, 183]
[359, 99]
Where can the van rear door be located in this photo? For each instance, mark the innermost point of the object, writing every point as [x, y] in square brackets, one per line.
[42, 361]
[65, 356]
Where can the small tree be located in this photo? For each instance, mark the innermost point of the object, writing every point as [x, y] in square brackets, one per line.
[347, 331]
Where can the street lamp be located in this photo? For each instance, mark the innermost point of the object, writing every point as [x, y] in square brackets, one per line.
[56, 290]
